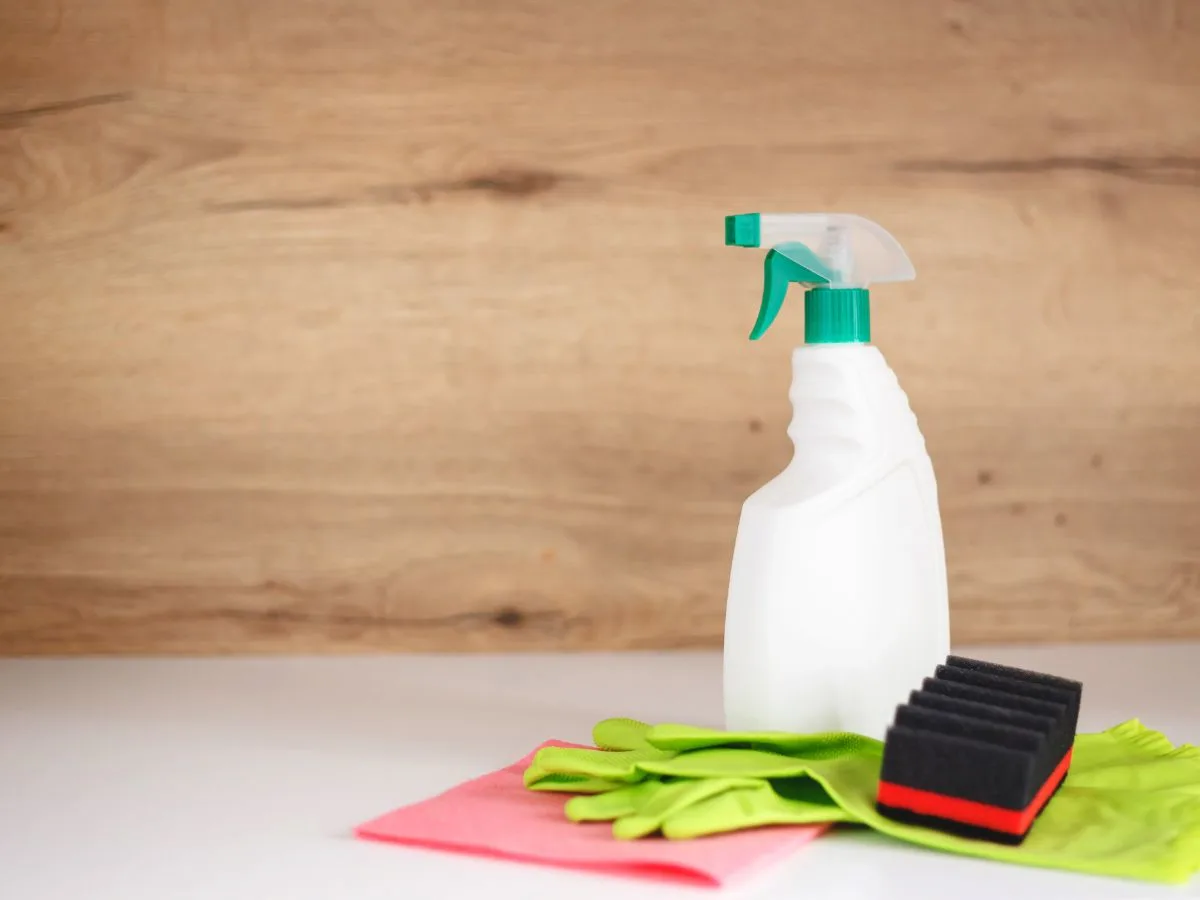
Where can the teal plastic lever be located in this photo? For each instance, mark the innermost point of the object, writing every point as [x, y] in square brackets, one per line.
[786, 263]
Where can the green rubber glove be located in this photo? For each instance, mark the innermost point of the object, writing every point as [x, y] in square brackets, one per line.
[691, 808]
[1130, 806]
[690, 782]
[637, 748]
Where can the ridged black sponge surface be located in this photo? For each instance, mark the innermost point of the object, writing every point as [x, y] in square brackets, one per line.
[983, 733]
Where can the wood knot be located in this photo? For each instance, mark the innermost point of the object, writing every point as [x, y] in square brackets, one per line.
[509, 617]
[514, 182]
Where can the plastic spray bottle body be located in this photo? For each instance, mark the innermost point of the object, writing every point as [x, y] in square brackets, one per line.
[837, 595]
[838, 599]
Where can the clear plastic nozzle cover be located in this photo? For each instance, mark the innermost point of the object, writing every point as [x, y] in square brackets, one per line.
[854, 251]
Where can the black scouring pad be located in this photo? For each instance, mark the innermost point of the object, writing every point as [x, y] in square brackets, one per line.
[979, 750]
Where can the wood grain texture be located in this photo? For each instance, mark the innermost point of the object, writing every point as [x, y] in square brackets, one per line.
[340, 325]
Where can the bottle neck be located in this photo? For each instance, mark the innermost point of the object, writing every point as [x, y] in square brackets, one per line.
[837, 316]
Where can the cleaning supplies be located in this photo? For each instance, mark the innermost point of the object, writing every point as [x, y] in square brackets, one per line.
[982, 767]
[837, 594]
[1130, 806]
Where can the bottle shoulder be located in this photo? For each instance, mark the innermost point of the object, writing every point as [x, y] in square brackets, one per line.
[849, 417]
[808, 484]
[855, 374]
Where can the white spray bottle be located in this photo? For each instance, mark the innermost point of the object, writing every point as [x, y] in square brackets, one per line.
[838, 603]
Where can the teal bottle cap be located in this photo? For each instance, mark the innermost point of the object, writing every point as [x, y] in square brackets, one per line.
[837, 316]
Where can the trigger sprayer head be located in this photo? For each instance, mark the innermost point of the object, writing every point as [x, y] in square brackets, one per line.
[837, 256]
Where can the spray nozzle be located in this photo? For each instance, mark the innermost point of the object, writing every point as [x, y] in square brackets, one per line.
[837, 255]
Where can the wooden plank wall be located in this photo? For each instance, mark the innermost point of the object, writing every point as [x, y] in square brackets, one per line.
[346, 325]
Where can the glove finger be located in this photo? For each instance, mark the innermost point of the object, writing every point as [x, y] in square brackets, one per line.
[667, 799]
[622, 801]
[727, 762]
[672, 796]
[749, 807]
[620, 734]
[607, 765]
[682, 738]
[574, 784]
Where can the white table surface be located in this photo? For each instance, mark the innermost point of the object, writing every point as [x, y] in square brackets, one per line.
[240, 779]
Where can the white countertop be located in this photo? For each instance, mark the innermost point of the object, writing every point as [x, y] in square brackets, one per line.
[240, 779]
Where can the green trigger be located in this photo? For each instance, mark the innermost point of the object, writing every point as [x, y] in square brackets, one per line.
[786, 263]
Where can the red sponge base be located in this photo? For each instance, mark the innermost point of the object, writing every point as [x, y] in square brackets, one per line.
[966, 817]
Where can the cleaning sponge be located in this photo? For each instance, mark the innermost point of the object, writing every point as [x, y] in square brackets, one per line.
[979, 750]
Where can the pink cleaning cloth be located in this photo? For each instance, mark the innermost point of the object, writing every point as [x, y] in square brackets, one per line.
[496, 816]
